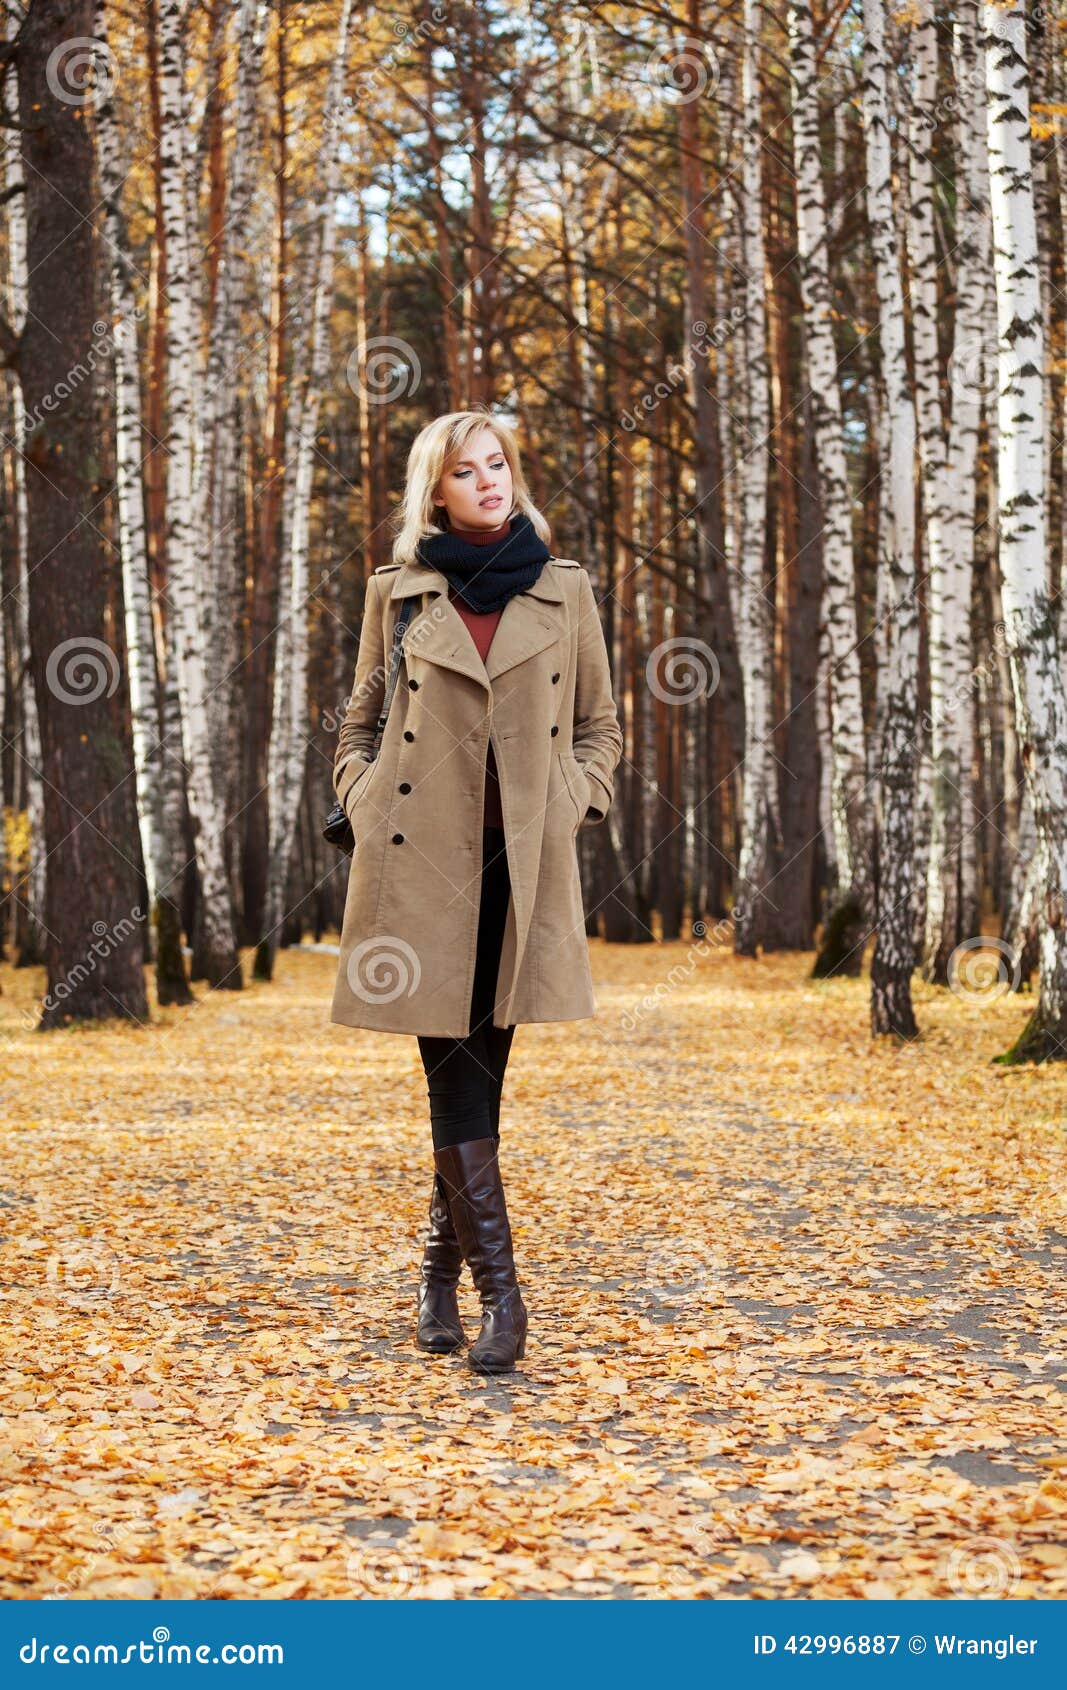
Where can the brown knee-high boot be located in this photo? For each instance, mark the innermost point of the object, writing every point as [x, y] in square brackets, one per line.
[440, 1329]
[475, 1196]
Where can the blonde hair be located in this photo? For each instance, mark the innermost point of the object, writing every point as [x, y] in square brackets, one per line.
[433, 449]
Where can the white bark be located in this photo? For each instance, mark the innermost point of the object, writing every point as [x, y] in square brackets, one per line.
[759, 815]
[1037, 678]
[288, 742]
[948, 474]
[133, 550]
[894, 955]
[216, 492]
[208, 816]
[852, 832]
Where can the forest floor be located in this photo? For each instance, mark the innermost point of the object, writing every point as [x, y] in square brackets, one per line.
[797, 1313]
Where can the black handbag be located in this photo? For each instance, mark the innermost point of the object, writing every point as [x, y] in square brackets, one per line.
[338, 829]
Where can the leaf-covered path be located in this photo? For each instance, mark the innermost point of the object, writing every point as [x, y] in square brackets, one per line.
[797, 1318]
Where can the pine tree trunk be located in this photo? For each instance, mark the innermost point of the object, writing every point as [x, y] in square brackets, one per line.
[707, 470]
[94, 925]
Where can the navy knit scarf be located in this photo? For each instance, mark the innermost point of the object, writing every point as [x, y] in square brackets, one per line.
[486, 577]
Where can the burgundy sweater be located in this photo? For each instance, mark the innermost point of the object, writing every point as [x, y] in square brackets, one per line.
[481, 625]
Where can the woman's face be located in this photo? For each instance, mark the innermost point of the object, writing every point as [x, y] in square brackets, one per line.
[475, 488]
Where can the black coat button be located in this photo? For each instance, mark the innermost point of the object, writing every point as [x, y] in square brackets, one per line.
[555, 728]
[556, 676]
[414, 685]
[405, 786]
[398, 839]
[408, 734]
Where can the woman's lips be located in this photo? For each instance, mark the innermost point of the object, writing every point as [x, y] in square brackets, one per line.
[494, 500]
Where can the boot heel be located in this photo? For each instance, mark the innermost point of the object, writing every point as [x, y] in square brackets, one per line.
[439, 1329]
[474, 1191]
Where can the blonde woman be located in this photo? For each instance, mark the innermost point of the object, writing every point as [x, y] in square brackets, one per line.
[464, 911]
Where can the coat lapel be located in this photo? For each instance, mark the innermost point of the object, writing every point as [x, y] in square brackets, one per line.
[529, 622]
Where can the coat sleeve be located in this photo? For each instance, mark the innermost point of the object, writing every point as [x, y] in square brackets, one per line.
[598, 739]
[355, 742]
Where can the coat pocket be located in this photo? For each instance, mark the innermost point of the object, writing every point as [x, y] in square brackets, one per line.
[576, 783]
[355, 778]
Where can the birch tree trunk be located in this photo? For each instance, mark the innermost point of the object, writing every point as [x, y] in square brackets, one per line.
[216, 490]
[849, 919]
[948, 475]
[894, 952]
[160, 847]
[1037, 677]
[289, 733]
[256, 672]
[760, 824]
[218, 948]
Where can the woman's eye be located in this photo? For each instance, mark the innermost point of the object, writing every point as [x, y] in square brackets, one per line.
[462, 474]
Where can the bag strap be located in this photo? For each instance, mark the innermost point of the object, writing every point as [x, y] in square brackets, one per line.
[394, 666]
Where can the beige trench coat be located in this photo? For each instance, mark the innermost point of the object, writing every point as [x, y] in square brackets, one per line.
[543, 697]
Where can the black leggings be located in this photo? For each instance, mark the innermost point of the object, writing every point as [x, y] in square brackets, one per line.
[465, 1077]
